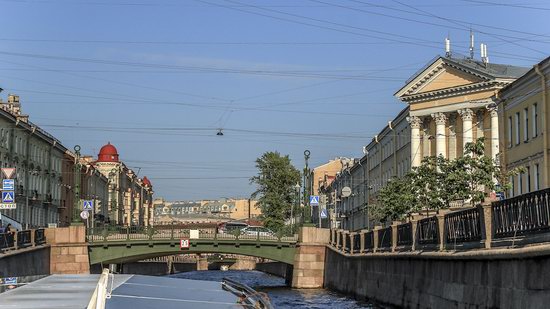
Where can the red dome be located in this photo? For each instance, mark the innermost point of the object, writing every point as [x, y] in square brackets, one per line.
[108, 153]
[146, 181]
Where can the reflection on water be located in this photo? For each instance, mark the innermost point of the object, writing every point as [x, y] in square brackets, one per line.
[281, 295]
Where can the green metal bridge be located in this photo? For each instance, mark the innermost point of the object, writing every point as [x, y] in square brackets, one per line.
[114, 245]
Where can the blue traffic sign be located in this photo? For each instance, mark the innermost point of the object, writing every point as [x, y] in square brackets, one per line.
[314, 200]
[8, 185]
[10, 280]
[8, 197]
[324, 213]
[87, 204]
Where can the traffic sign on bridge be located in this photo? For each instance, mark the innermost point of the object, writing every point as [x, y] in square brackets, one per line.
[314, 200]
[184, 243]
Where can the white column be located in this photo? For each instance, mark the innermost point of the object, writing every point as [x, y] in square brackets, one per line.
[451, 153]
[467, 134]
[494, 130]
[440, 136]
[416, 156]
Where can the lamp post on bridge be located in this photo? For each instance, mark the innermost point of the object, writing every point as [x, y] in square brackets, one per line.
[307, 210]
[297, 202]
[76, 204]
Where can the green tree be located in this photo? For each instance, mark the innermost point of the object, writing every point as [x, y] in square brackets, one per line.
[438, 181]
[275, 188]
[395, 200]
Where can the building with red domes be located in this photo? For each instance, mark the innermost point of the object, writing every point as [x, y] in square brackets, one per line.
[130, 198]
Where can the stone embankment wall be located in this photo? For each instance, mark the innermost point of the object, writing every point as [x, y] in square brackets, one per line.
[278, 269]
[69, 250]
[32, 261]
[505, 278]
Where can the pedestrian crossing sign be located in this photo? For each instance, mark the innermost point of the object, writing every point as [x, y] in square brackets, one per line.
[87, 204]
[314, 200]
[324, 213]
[8, 197]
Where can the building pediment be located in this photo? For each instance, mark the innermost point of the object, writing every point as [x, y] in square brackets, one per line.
[442, 74]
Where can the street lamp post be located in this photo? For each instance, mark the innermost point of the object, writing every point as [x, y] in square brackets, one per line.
[297, 201]
[76, 204]
[307, 211]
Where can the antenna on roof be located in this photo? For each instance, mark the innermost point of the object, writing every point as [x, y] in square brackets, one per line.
[471, 44]
[484, 56]
[448, 47]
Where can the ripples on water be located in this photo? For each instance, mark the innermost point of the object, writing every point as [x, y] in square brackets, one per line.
[281, 296]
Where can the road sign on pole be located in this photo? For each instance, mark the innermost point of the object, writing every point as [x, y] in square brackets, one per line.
[314, 200]
[184, 243]
[8, 206]
[84, 215]
[87, 205]
[8, 197]
[324, 213]
[8, 172]
[8, 185]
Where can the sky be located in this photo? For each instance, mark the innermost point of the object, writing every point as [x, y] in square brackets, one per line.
[159, 78]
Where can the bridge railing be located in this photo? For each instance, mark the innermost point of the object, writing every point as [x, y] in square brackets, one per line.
[20, 239]
[463, 226]
[123, 233]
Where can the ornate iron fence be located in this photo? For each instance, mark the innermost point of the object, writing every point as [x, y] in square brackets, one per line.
[121, 233]
[404, 234]
[6, 240]
[463, 226]
[23, 238]
[524, 214]
[369, 241]
[385, 237]
[356, 242]
[427, 231]
[39, 236]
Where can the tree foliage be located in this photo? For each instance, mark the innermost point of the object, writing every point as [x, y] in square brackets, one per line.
[275, 188]
[438, 181]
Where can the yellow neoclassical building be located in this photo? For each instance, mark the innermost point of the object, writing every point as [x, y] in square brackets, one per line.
[452, 102]
[523, 112]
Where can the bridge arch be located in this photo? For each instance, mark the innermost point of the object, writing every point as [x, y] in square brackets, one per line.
[115, 252]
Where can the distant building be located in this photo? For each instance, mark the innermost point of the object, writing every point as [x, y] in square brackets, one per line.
[205, 210]
[130, 198]
[37, 157]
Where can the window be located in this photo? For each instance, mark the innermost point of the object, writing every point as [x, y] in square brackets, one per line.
[525, 124]
[535, 120]
[517, 129]
[510, 127]
[528, 174]
[537, 177]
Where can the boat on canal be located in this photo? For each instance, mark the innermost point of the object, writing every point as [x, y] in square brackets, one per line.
[116, 291]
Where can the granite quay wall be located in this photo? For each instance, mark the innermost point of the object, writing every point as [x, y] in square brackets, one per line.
[490, 256]
[27, 262]
[495, 278]
[69, 250]
[278, 269]
[309, 259]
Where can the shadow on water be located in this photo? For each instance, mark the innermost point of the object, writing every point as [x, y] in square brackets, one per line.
[281, 296]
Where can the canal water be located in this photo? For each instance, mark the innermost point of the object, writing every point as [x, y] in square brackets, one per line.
[281, 296]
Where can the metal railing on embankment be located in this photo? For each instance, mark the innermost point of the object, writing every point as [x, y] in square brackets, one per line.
[21, 239]
[124, 233]
[520, 220]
